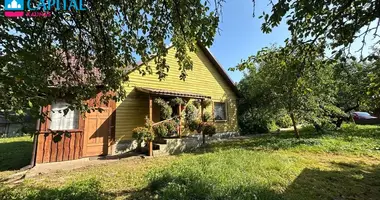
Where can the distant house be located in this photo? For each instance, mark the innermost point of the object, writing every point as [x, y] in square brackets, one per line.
[110, 132]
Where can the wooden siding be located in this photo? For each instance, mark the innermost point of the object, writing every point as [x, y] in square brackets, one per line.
[69, 148]
[203, 79]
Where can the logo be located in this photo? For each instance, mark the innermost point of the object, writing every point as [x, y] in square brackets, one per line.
[40, 8]
[13, 8]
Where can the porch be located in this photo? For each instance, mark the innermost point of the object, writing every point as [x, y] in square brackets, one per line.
[166, 144]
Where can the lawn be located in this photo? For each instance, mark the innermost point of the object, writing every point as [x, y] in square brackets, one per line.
[15, 152]
[342, 164]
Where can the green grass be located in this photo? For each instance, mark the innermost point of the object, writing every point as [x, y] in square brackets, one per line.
[342, 164]
[15, 152]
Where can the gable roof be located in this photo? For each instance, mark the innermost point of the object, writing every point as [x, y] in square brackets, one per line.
[220, 69]
[214, 62]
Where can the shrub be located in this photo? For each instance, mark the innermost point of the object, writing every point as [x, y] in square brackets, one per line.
[142, 134]
[206, 116]
[139, 134]
[284, 121]
[209, 128]
[160, 130]
[171, 126]
[177, 101]
[166, 110]
[191, 113]
[206, 103]
[193, 125]
[197, 104]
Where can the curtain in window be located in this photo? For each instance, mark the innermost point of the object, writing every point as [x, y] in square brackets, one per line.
[220, 111]
[59, 121]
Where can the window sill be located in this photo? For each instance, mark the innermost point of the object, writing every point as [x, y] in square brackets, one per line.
[220, 121]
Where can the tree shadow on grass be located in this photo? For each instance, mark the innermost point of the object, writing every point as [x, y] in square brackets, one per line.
[350, 181]
[190, 186]
[15, 155]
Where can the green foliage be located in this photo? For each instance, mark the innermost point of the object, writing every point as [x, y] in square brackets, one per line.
[142, 134]
[110, 36]
[193, 124]
[284, 121]
[191, 113]
[320, 22]
[206, 116]
[285, 79]
[139, 134]
[177, 101]
[209, 128]
[206, 103]
[197, 104]
[171, 126]
[166, 110]
[161, 130]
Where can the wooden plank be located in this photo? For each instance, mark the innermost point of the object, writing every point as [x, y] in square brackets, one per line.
[150, 108]
[53, 149]
[81, 138]
[60, 149]
[72, 146]
[40, 148]
[180, 121]
[76, 147]
[150, 143]
[66, 148]
[47, 148]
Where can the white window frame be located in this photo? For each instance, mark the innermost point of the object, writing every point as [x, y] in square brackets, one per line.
[225, 111]
[59, 121]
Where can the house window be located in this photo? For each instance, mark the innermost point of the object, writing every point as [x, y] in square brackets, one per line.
[220, 112]
[60, 121]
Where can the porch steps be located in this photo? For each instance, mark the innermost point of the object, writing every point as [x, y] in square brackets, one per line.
[160, 150]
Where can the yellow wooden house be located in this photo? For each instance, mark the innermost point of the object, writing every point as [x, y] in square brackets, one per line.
[110, 132]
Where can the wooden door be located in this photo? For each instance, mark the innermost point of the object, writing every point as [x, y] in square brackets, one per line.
[97, 133]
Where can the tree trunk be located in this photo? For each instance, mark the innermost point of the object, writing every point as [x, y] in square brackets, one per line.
[296, 133]
[204, 138]
[339, 122]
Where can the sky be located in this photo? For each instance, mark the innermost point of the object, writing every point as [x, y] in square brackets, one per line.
[240, 35]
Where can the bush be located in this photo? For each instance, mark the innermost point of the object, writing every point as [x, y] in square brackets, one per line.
[171, 126]
[193, 125]
[206, 116]
[284, 121]
[166, 110]
[191, 113]
[177, 101]
[142, 134]
[160, 130]
[208, 128]
[139, 134]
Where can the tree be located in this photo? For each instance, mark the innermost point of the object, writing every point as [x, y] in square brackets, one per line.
[352, 81]
[288, 80]
[329, 23]
[68, 55]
